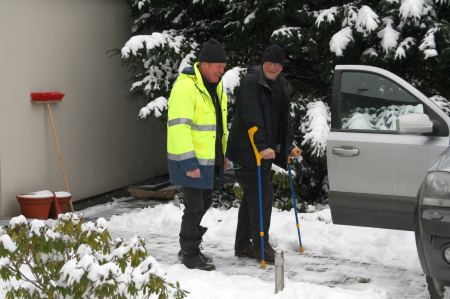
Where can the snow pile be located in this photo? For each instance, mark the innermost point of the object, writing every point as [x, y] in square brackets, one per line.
[319, 235]
[318, 118]
[202, 285]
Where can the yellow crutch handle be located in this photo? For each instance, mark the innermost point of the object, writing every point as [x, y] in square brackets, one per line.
[251, 134]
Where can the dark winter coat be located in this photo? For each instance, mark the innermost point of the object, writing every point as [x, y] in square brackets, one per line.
[254, 102]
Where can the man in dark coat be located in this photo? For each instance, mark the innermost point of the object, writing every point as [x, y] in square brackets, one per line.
[263, 102]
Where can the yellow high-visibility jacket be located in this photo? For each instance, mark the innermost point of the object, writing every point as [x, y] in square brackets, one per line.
[191, 129]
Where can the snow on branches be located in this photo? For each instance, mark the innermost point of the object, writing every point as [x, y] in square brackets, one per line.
[428, 45]
[389, 36]
[367, 20]
[150, 42]
[326, 15]
[398, 17]
[340, 40]
[156, 106]
[317, 127]
[160, 57]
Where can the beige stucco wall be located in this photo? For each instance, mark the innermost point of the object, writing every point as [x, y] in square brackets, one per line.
[61, 45]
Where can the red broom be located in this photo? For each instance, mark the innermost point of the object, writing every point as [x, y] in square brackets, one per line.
[49, 98]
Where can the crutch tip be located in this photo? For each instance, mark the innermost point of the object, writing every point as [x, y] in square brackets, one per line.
[263, 264]
[301, 249]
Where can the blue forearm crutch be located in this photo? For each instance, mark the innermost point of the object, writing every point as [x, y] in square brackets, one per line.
[251, 134]
[294, 205]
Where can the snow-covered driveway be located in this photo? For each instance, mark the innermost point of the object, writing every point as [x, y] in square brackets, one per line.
[339, 261]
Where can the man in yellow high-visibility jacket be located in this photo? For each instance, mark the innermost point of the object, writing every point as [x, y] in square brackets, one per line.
[196, 143]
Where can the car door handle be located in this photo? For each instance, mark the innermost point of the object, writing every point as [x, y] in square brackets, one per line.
[346, 151]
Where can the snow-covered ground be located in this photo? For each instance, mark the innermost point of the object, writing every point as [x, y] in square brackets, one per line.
[339, 261]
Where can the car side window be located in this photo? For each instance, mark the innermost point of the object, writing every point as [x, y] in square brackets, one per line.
[372, 102]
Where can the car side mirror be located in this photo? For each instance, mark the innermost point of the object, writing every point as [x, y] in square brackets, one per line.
[414, 123]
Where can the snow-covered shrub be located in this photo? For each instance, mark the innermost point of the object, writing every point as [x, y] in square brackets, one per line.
[227, 193]
[383, 118]
[282, 195]
[157, 60]
[442, 102]
[70, 258]
[317, 127]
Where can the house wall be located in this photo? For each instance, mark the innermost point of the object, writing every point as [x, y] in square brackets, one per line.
[62, 45]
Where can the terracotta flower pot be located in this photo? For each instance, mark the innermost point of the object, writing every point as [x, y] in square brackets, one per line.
[35, 205]
[61, 204]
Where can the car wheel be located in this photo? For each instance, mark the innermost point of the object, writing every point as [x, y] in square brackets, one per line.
[437, 290]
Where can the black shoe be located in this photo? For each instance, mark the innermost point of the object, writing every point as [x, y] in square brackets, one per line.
[247, 251]
[269, 253]
[205, 257]
[250, 252]
[195, 262]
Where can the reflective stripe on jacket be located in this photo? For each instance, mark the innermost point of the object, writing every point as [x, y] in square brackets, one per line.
[191, 130]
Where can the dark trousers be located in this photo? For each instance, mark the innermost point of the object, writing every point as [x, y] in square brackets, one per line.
[247, 231]
[196, 203]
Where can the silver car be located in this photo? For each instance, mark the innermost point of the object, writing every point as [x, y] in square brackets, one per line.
[385, 136]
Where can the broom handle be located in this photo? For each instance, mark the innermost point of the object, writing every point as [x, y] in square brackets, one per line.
[59, 152]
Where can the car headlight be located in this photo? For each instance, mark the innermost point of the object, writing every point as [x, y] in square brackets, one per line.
[437, 189]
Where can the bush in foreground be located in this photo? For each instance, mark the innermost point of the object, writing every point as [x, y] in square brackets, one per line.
[71, 258]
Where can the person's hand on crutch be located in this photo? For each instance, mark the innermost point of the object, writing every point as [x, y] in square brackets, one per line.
[295, 152]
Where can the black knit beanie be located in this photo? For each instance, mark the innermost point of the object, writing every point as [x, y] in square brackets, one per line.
[273, 53]
[213, 51]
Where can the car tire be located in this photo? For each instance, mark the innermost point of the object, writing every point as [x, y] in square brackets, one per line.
[436, 289]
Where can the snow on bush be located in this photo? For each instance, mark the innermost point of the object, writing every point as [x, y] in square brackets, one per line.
[428, 45]
[340, 40]
[389, 36]
[326, 15]
[160, 57]
[288, 32]
[156, 106]
[367, 20]
[231, 80]
[413, 9]
[383, 118]
[70, 258]
[405, 45]
[318, 120]
[442, 102]
[150, 42]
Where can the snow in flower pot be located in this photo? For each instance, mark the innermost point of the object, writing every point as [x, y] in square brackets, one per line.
[61, 204]
[36, 204]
